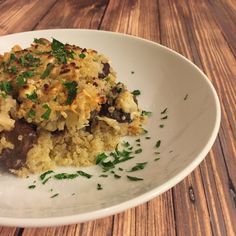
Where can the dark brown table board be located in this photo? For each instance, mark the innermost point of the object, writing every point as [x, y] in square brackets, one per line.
[204, 203]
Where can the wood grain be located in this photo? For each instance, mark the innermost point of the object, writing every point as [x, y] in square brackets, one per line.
[204, 31]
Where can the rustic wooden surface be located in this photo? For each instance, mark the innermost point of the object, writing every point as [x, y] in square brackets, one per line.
[204, 31]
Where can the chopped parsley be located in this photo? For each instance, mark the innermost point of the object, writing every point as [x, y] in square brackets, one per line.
[55, 195]
[72, 91]
[136, 92]
[164, 111]
[33, 96]
[138, 151]
[84, 174]
[39, 41]
[117, 176]
[6, 87]
[158, 144]
[157, 159]
[47, 71]
[164, 118]
[120, 169]
[46, 180]
[132, 178]
[29, 60]
[103, 175]
[99, 187]
[59, 51]
[82, 55]
[146, 113]
[47, 113]
[12, 70]
[100, 158]
[42, 176]
[138, 166]
[32, 186]
[21, 78]
[65, 176]
[31, 113]
[186, 96]
[147, 137]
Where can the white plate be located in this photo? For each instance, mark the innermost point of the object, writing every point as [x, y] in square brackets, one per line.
[164, 78]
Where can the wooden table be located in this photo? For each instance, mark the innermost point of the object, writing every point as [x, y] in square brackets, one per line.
[204, 31]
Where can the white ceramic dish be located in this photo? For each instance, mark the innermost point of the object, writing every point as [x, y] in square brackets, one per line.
[164, 78]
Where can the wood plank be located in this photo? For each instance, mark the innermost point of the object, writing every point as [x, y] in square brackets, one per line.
[17, 16]
[180, 33]
[74, 14]
[135, 17]
[8, 231]
[224, 13]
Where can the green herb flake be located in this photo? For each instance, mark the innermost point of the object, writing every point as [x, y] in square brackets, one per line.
[6, 87]
[12, 70]
[136, 92]
[47, 71]
[164, 111]
[59, 51]
[65, 176]
[32, 186]
[186, 97]
[146, 113]
[137, 140]
[132, 178]
[72, 91]
[157, 159]
[31, 113]
[55, 195]
[164, 118]
[82, 55]
[28, 74]
[125, 144]
[20, 80]
[120, 169]
[33, 96]
[157, 153]
[117, 176]
[138, 166]
[46, 180]
[138, 145]
[39, 41]
[82, 173]
[100, 158]
[138, 151]
[47, 113]
[147, 137]
[42, 176]
[99, 187]
[103, 176]
[3, 95]
[161, 126]
[158, 144]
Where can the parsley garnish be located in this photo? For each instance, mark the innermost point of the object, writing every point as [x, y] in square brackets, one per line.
[12, 70]
[42, 176]
[33, 96]
[65, 176]
[104, 176]
[72, 91]
[39, 41]
[59, 51]
[29, 60]
[82, 173]
[117, 176]
[186, 96]
[132, 178]
[158, 144]
[47, 113]
[21, 79]
[138, 166]
[82, 55]
[100, 158]
[46, 180]
[99, 187]
[32, 186]
[138, 151]
[161, 126]
[164, 118]
[157, 159]
[136, 92]
[6, 87]
[164, 111]
[47, 71]
[31, 113]
[55, 195]
[146, 113]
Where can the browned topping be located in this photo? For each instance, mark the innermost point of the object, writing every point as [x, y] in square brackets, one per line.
[63, 71]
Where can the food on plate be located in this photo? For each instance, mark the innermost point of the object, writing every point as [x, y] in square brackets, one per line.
[60, 105]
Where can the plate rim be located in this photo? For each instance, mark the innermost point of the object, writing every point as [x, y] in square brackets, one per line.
[103, 212]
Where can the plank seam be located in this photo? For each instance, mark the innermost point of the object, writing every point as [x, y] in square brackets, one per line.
[103, 15]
